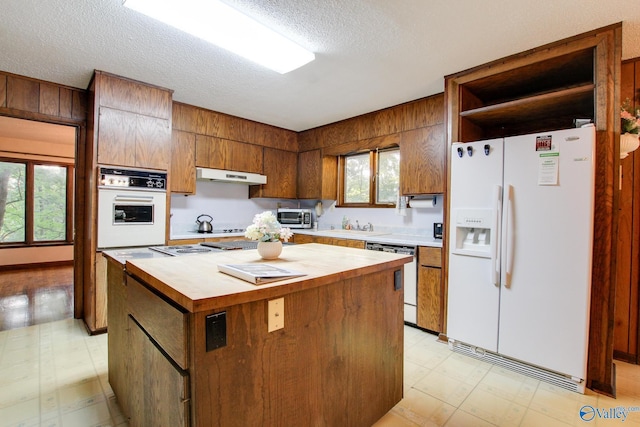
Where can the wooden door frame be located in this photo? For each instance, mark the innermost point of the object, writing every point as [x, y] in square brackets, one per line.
[80, 179]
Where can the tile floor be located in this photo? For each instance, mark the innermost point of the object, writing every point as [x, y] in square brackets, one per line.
[54, 374]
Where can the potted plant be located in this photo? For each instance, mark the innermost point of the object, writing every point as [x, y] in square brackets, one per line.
[269, 233]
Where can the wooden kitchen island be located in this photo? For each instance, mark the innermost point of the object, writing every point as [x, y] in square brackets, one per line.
[189, 346]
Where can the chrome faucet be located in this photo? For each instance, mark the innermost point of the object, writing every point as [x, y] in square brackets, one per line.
[368, 227]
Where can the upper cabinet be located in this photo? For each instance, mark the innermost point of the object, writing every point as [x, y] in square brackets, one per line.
[182, 174]
[317, 176]
[422, 161]
[226, 142]
[281, 168]
[219, 153]
[417, 127]
[132, 122]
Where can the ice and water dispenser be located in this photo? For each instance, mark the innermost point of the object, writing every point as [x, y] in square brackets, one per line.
[473, 232]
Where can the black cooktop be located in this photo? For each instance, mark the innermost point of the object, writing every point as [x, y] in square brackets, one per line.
[232, 245]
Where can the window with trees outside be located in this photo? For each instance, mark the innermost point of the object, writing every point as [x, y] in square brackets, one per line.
[370, 179]
[36, 202]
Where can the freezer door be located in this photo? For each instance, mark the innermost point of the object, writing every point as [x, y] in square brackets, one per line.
[473, 297]
[546, 271]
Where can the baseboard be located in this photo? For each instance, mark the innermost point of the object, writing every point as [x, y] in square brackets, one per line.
[625, 357]
[68, 263]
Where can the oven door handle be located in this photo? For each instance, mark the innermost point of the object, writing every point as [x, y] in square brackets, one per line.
[119, 198]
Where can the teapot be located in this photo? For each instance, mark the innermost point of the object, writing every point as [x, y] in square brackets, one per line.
[204, 226]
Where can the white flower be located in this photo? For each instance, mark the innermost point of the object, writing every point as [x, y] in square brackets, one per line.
[266, 228]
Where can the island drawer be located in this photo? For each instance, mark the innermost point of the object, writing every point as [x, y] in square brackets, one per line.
[166, 324]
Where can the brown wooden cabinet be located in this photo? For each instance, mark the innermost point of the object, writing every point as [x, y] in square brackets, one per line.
[133, 123]
[158, 390]
[281, 168]
[220, 153]
[151, 380]
[430, 292]
[325, 240]
[317, 176]
[422, 161]
[182, 174]
[416, 126]
[99, 302]
[128, 125]
[118, 361]
[134, 140]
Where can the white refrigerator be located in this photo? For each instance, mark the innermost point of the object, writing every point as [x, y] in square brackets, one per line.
[520, 249]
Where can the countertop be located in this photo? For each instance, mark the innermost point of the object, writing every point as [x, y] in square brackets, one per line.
[379, 237]
[194, 282]
[122, 255]
[188, 235]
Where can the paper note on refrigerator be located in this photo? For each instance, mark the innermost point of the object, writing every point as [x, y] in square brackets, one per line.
[548, 168]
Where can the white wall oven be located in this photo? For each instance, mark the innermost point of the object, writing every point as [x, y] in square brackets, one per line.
[131, 207]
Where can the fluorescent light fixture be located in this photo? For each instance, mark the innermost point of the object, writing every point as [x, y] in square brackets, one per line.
[227, 28]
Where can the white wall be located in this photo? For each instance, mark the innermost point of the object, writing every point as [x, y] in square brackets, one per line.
[415, 221]
[228, 204]
[230, 207]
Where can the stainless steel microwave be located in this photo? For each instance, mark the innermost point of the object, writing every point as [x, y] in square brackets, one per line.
[294, 218]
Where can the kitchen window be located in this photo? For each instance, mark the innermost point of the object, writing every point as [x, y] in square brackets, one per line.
[36, 202]
[370, 179]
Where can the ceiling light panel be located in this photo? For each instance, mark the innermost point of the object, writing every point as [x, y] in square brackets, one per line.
[224, 26]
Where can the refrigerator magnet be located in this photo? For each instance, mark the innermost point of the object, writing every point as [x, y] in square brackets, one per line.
[543, 143]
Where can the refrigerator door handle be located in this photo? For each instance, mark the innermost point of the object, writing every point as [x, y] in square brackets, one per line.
[495, 253]
[508, 236]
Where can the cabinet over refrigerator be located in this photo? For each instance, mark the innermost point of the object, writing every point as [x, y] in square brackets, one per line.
[521, 232]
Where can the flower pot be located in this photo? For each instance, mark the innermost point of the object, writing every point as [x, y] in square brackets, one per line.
[628, 143]
[270, 250]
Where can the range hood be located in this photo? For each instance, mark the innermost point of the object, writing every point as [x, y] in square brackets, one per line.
[219, 175]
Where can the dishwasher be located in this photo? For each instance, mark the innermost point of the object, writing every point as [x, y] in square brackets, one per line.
[409, 273]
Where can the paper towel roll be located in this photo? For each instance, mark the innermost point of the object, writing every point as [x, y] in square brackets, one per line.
[422, 203]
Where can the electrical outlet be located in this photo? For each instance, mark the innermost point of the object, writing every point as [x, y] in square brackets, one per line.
[275, 314]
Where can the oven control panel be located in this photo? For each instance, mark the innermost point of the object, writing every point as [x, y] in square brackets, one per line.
[132, 178]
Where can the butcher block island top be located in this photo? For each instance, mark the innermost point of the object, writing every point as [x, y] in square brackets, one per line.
[194, 282]
[191, 346]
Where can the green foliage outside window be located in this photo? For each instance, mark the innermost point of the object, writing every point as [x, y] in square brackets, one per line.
[12, 201]
[49, 204]
[359, 169]
[388, 176]
[357, 179]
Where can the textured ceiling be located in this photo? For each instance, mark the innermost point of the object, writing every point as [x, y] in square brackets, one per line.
[370, 54]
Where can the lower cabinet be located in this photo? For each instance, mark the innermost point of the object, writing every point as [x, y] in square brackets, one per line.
[150, 381]
[430, 293]
[350, 243]
[158, 389]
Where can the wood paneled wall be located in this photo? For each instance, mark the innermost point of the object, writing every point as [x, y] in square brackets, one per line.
[374, 130]
[626, 333]
[31, 99]
[201, 121]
